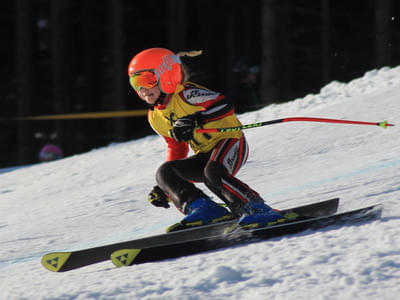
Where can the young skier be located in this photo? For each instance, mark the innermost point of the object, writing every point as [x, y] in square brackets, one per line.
[177, 109]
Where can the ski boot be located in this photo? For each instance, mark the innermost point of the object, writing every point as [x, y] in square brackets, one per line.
[202, 211]
[257, 214]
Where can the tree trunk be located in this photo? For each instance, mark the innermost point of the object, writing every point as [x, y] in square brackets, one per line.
[61, 61]
[325, 41]
[24, 63]
[118, 67]
[177, 25]
[382, 32]
[268, 72]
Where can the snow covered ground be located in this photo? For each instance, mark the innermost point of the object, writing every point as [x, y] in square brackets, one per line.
[100, 197]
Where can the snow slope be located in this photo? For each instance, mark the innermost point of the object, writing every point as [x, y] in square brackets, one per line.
[100, 197]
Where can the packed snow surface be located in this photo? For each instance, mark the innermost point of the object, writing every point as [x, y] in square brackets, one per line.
[100, 197]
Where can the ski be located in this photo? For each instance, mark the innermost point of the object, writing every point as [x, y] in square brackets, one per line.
[70, 260]
[127, 257]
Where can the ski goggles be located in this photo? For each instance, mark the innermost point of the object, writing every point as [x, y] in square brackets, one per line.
[144, 79]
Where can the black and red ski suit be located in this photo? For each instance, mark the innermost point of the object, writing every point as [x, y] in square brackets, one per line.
[217, 156]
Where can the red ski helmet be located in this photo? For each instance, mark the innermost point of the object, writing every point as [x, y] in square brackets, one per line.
[166, 66]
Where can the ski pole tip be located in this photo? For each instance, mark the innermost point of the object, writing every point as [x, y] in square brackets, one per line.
[384, 124]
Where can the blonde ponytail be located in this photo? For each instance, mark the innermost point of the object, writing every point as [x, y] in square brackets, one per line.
[191, 53]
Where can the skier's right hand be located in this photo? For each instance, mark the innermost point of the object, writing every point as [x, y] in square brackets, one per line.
[184, 127]
[158, 198]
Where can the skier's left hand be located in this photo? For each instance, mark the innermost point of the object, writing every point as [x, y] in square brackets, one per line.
[184, 127]
[158, 198]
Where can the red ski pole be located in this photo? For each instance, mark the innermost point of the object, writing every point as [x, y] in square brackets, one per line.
[383, 124]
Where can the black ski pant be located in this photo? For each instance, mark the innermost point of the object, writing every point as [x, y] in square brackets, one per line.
[216, 169]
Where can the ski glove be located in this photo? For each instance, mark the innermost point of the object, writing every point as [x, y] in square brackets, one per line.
[184, 127]
[158, 198]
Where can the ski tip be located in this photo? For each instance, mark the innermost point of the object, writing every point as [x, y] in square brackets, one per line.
[55, 261]
[124, 257]
[377, 210]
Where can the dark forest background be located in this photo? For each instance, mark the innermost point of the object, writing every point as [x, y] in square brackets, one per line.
[66, 56]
